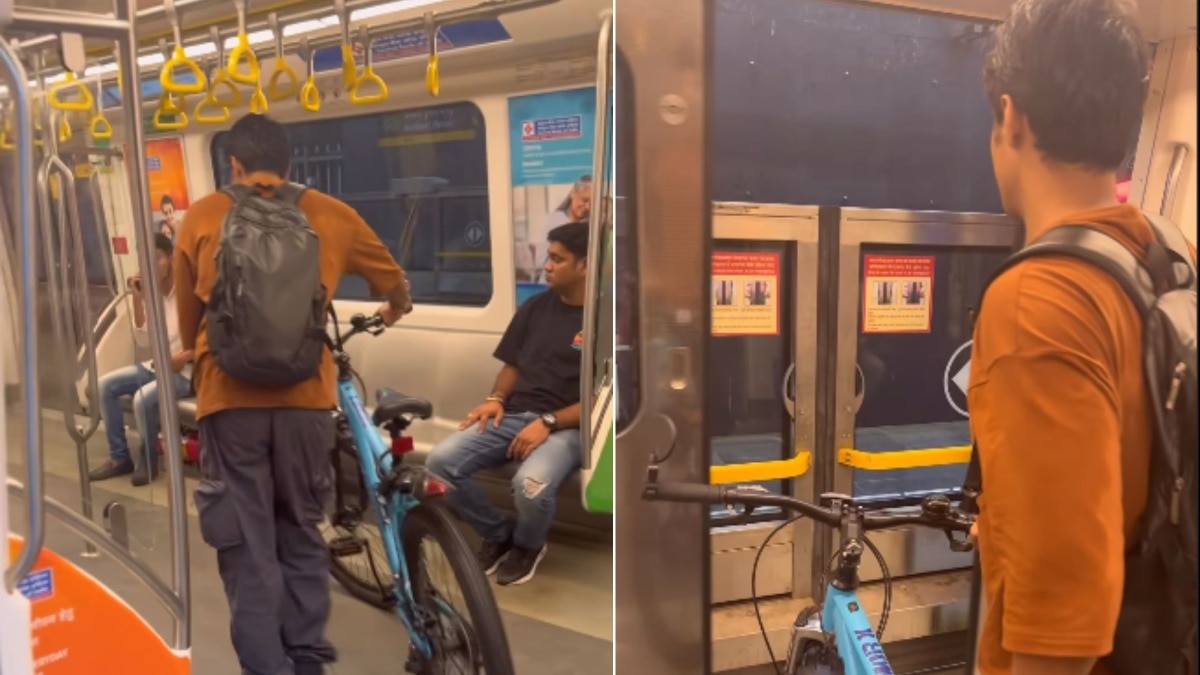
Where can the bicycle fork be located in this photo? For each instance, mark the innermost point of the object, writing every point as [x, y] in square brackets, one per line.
[805, 631]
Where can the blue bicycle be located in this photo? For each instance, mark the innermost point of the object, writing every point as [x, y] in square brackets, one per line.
[389, 515]
[835, 638]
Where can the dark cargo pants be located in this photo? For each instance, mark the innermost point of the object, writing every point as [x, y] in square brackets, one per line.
[266, 479]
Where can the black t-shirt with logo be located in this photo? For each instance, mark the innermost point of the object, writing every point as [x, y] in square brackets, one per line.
[544, 342]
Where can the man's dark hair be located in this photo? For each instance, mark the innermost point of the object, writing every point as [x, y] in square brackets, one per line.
[1079, 70]
[163, 243]
[260, 144]
[166, 199]
[573, 237]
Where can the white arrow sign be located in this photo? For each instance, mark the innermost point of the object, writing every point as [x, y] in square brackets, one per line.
[961, 378]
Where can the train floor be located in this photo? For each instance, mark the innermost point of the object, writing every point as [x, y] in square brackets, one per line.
[558, 623]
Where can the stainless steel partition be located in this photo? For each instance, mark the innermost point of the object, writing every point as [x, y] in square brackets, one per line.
[26, 229]
[47, 27]
[662, 549]
[908, 551]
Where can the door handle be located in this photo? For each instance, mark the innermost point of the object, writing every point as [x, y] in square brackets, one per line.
[789, 401]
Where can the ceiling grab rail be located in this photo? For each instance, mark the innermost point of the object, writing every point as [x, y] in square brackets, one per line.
[35, 483]
[177, 58]
[483, 10]
[432, 76]
[139, 192]
[282, 69]
[349, 68]
[596, 222]
[310, 96]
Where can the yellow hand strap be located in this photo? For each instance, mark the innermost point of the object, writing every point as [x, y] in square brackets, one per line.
[83, 104]
[180, 60]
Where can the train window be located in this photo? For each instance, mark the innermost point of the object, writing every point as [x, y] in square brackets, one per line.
[419, 178]
[854, 104]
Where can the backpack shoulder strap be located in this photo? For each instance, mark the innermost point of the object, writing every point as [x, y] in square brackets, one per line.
[1171, 238]
[237, 192]
[1093, 246]
[1099, 249]
[290, 193]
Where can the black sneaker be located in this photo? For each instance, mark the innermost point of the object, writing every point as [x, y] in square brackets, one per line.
[491, 553]
[519, 566]
[111, 469]
[142, 477]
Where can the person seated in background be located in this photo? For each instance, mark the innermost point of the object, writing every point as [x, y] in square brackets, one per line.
[531, 417]
[139, 381]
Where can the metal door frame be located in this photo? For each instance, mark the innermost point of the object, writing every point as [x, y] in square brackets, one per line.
[663, 623]
[796, 227]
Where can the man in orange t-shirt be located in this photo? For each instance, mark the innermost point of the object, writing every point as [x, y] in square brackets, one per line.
[265, 450]
[1058, 405]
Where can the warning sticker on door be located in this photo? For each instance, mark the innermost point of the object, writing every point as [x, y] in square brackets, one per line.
[897, 294]
[745, 294]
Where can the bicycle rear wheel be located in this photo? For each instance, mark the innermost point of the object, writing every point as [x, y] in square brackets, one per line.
[465, 627]
[357, 558]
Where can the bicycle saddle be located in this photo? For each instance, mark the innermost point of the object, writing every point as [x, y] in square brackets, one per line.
[390, 404]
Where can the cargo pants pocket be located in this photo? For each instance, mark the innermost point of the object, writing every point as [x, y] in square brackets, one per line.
[218, 516]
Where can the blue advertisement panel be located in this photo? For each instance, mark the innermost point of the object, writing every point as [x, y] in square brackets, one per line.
[551, 137]
[416, 43]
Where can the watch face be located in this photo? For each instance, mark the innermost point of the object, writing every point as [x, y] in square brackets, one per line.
[549, 420]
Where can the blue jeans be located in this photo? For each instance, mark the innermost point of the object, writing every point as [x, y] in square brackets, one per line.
[136, 381]
[534, 487]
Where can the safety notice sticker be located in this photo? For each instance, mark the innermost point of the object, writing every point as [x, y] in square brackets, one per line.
[897, 294]
[745, 294]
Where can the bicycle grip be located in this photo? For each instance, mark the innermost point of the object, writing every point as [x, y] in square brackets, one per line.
[686, 492]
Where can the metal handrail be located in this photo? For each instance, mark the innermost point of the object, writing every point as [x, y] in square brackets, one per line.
[139, 189]
[1178, 157]
[595, 233]
[35, 512]
[70, 317]
[93, 533]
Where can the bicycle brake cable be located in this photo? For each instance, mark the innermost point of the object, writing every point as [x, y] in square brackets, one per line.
[887, 587]
[762, 629]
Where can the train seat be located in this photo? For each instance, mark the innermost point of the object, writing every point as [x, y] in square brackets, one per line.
[570, 517]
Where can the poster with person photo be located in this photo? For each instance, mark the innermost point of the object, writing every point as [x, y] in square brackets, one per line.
[167, 174]
[551, 136]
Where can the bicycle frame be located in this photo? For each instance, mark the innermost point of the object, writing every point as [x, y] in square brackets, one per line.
[844, 616]
[373, 453]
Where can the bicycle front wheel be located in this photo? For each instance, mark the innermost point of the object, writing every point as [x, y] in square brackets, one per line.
[451, 590]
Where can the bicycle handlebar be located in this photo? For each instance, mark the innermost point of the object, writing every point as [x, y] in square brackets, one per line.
[936, 511]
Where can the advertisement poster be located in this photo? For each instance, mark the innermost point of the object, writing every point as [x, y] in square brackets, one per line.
[551, 138]
[76, 621]
[745, 294]
[168, 183]
[897, 294]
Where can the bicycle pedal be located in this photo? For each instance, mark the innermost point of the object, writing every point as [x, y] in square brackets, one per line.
[346, 546]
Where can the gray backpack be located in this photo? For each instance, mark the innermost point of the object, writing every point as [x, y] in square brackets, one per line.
[266, 316]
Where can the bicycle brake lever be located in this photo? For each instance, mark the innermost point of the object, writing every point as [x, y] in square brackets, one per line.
[959, 545]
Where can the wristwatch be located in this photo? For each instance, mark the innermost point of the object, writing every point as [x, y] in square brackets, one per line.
[550, 421]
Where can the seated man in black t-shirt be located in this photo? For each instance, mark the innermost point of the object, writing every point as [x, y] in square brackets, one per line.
[531, 417]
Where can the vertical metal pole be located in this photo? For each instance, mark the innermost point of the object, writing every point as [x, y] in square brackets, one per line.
[139, 190]
[35, 485]
[595, 228]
